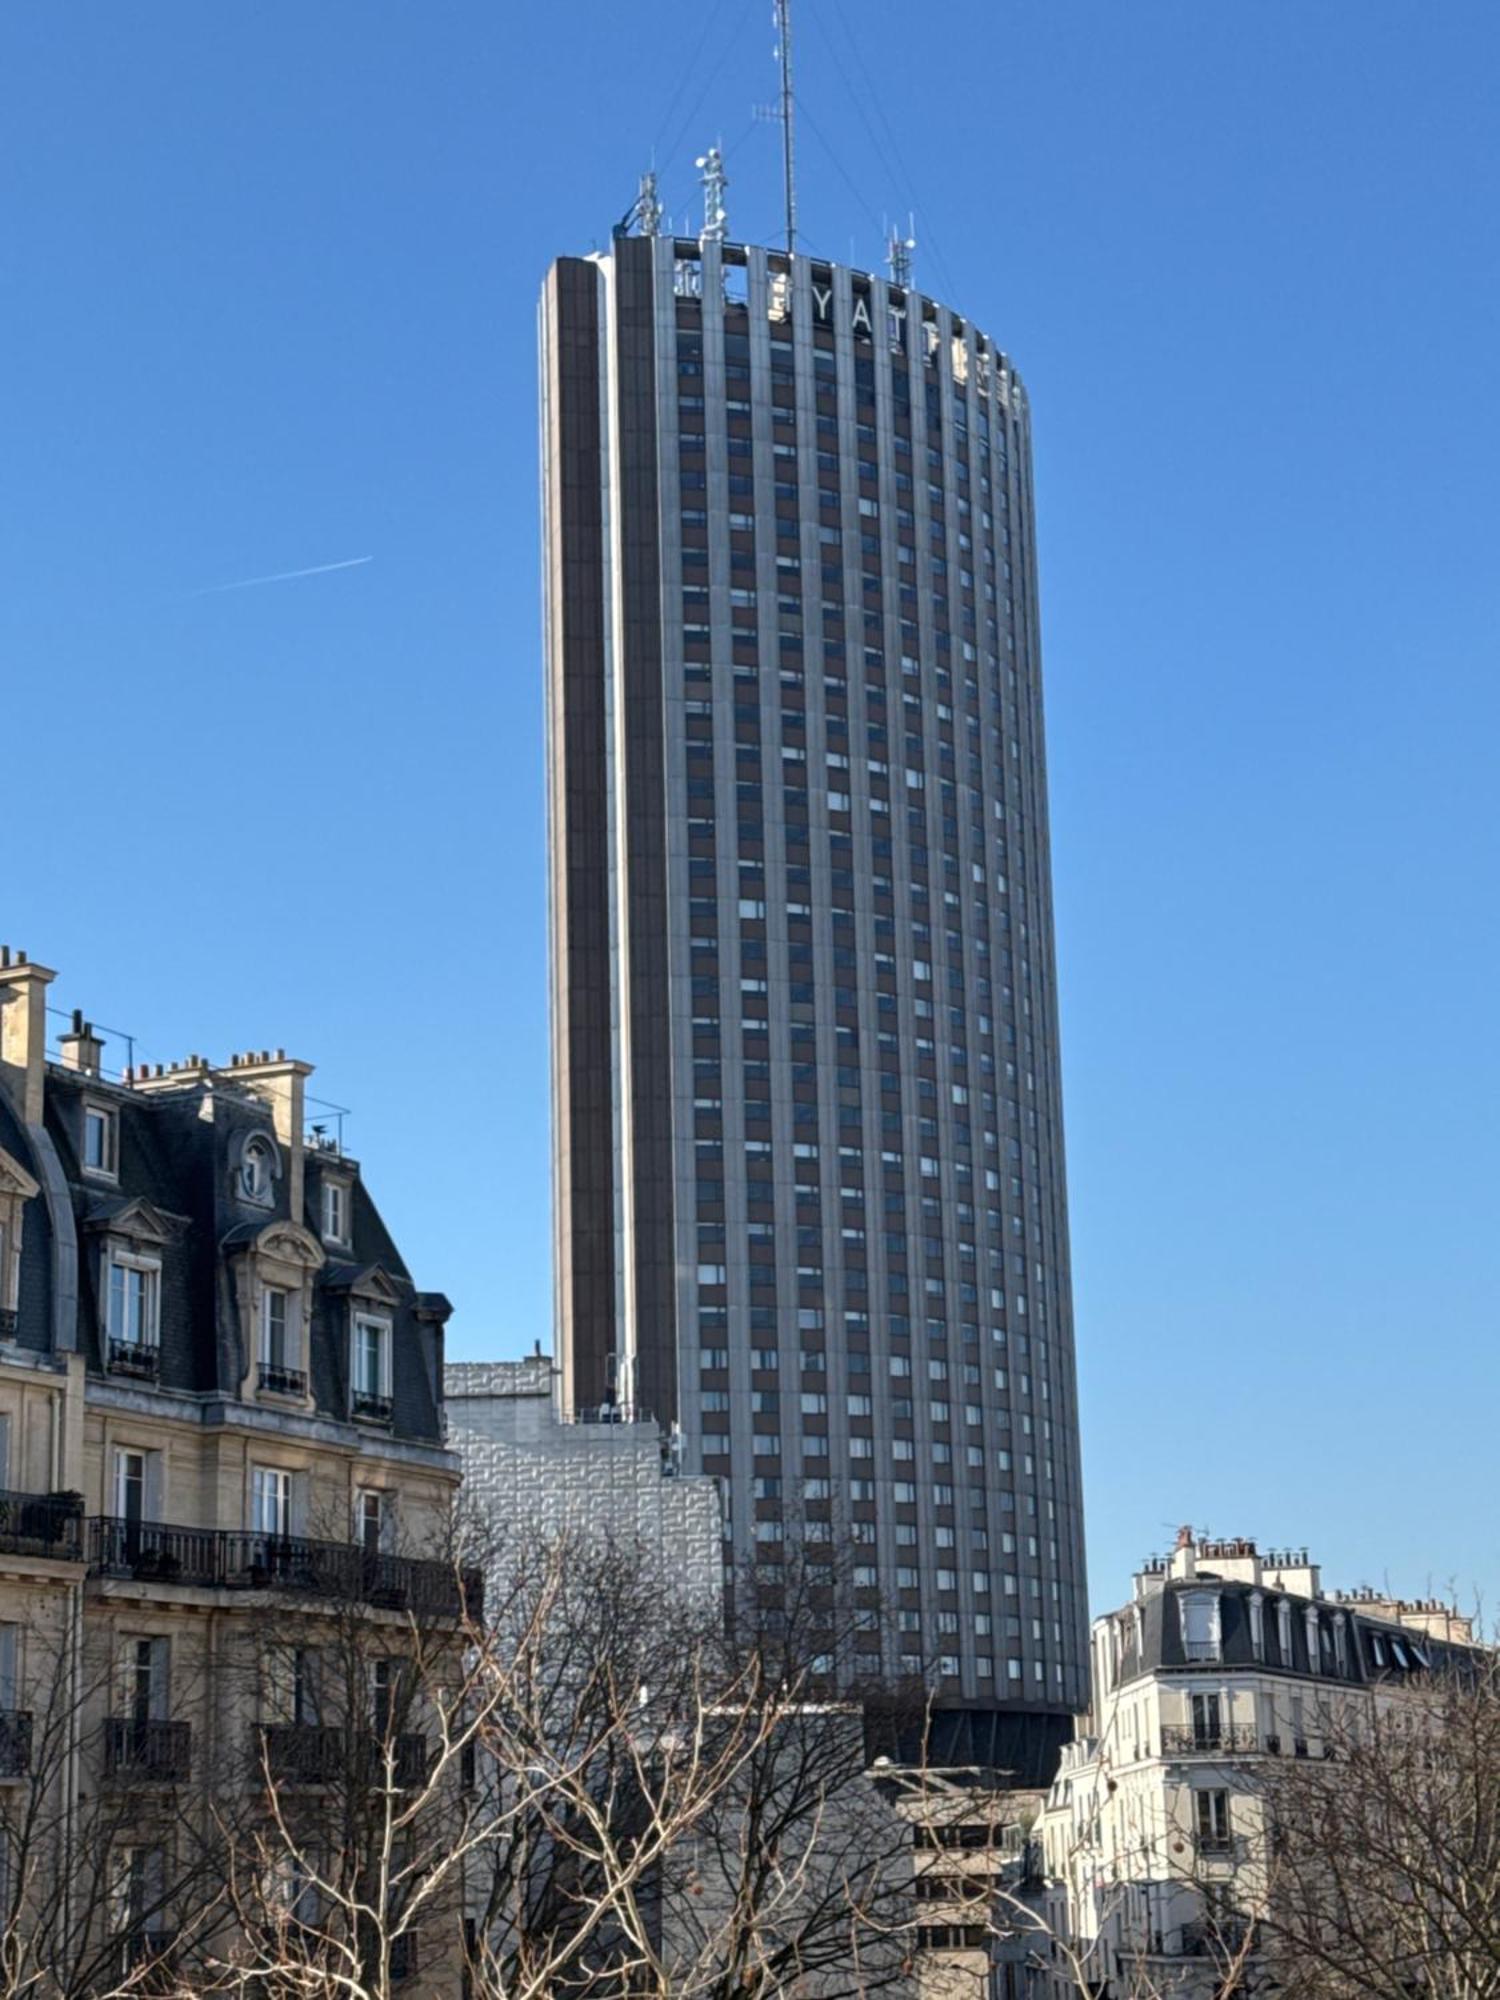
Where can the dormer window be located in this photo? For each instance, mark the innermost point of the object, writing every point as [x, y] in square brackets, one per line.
[335, 1212]
[133, 1313]
[280, 1371]
[274, 1274]
[1257, 1626]
[370, 1373]
[1314, 1640]
[101, 1135]
[258, 1171]
[1199, 1612]
[16, 1188]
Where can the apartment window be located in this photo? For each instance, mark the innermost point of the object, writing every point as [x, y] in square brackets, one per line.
[1257, 1626]
[371, 1370]
[270, 1500]
[335, 1212]
[1206, 1721]
[10, 1668]
[145, 1666]
[134, 1300]
[293, 1886]
[138, 1894]
[1198, 1611]
[374, 1519]
[137, 1483]
[385, 1690]
[1211, 1809]
[100, 1141]
[273, 1327]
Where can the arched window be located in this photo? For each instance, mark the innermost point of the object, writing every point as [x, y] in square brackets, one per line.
[258, 1171]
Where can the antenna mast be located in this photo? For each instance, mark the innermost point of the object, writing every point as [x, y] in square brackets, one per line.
[898, 255]
[783, 19]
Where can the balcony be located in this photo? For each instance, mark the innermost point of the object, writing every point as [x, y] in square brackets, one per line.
[156, 1752]
[369, 1409]
[274, 1381]
[145, 1961]
[312, 1753]
[15, 1743]
[302, 1753]
[1185, 1739]
[1216, 1846]
[228, 1559]
[1231, 1938]
[7, 1322]
[139, 1359]
[42, 1524]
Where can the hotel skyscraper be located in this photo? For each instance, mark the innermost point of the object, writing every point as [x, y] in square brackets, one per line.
[809, 1185]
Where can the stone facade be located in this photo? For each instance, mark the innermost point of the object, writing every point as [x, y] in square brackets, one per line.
[1155, 1832]
[220, 1438]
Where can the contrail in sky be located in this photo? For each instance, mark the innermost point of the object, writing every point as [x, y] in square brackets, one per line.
[281, 576]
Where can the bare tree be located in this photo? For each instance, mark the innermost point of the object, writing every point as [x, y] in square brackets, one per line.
[346, 1842]
[110, 1850]
[1387, 1849]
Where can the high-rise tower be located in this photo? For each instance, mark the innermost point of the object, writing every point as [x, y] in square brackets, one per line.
[809, 1182]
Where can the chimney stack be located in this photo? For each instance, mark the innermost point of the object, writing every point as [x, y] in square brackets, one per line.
[82, 1050]
[282, 1083]
[23, 1031]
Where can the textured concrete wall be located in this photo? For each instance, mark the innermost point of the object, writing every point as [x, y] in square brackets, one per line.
[533, 1473]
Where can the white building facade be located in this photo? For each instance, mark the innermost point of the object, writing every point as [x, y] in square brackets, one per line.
[1155, 1832]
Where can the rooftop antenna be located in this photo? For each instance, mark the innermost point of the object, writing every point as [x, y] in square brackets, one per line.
[715, 181]
[783, 18]
[644, 213]
[647, 206]
[898, 252]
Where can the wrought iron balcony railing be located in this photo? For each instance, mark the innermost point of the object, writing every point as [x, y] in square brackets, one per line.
[1228, 1938]
[15, 1743]
[228, 1559]
[137, 1358]
[8, 1322]
[147, 1749]
[373, 1409]
[282, 1381]
[144, 1952]
[313, 1753]
[42, 1524]
[1187, 1739]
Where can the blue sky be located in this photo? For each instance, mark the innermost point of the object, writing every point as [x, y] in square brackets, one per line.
[267, 277]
